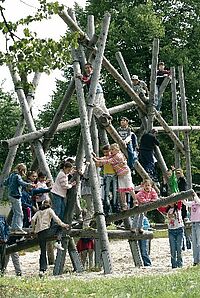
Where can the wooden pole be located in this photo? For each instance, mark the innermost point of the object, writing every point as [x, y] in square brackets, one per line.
[29, 137]
[95, 188]
[175, 113]
[185, 122]
[127, 77]
[154, 63]
[39, 152]
[19, 130]
[162, 201]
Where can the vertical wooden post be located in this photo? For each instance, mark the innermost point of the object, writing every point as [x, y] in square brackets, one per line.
[74, 256]
[185, 122]
[127, 77]
[95, 188]
[154, 63]
[94, 130]
[175, 113]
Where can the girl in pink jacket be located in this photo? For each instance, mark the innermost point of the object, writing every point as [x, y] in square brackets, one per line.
[145, 195]
[119, 163]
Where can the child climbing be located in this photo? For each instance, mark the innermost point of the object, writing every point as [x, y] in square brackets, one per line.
[146, 152]
[41, 222]
[119, 163]
[99, 101]
[60, 187]
[145, 195]
[161, 74]
[140, 87]
[15, 183]
[44, 183]
[110, 184]
[126, 134]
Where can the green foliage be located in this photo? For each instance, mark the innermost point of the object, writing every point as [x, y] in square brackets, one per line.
[184, 283]
[30, 53]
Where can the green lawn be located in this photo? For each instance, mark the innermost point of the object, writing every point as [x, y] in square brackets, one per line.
[183, 283]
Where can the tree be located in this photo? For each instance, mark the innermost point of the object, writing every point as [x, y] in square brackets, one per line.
[28, 52]
[134, 24]
[9, 116]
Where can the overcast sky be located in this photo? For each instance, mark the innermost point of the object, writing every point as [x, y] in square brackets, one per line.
[15, 9]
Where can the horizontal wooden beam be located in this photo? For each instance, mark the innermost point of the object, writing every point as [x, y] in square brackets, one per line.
[78, 233]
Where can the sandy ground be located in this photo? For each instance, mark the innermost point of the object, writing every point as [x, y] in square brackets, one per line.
[122, 262]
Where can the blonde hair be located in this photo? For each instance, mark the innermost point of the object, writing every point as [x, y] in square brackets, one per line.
[21, 168]
[115, 146]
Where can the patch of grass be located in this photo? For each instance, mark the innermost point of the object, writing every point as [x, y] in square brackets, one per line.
[160, 234]
[184, 283]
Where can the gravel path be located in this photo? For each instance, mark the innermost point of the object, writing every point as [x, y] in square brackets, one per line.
[122, 261]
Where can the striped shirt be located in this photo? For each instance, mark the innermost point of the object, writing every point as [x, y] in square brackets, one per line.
[119, 163]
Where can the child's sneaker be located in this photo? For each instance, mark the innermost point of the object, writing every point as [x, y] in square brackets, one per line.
[58, 246]
[19, 232]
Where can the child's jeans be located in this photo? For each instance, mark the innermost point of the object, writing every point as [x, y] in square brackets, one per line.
[58, 204]
[196, 242]
[137, 221]
[132, 155]
[17, 219]
[176, 242]
[16, 262]
[144, 249]
[110, 183]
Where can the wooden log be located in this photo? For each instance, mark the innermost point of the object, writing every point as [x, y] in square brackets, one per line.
[100, 219]
[175, 113]
[163, 86]
[19, 130]
[127, 77]
[151, 206]
[49, 134]
[170, 132]
[92, 233]
[151, 104]
[29, 122]
[185, 122]
[29, 137]
[94, 136]
[97, 65]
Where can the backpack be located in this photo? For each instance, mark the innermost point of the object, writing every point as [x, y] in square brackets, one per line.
[4, 230]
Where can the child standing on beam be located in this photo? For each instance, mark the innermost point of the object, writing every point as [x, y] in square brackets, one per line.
[15, 183]
[119, 163]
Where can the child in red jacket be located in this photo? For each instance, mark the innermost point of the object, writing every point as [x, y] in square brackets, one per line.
[145, 195]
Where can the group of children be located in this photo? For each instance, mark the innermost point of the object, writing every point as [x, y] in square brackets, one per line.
[31, 204]
[28, 197]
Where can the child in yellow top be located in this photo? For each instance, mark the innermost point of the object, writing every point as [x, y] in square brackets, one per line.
[110, 184]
